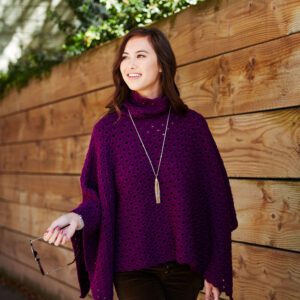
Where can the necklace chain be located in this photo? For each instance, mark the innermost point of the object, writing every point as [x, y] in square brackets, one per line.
[157, 191]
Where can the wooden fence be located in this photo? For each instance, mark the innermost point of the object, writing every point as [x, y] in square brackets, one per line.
[239, 65]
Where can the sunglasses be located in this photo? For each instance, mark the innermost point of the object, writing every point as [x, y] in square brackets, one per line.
[38, 259]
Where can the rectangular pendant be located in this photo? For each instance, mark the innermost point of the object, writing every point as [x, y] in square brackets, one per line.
[157, 191]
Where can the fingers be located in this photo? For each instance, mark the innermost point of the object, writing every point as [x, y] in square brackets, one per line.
[208, 293]
[71, 230]
[207, 290]
[216, 293]
[59, 237]
[48, 234]
[211, 292]
[54, 235]
[65, 239]
[209, 296]
[53, 227]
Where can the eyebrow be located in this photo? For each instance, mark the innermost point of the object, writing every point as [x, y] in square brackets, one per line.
[137, 51]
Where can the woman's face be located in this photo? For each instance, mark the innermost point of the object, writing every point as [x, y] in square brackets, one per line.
[140, 61]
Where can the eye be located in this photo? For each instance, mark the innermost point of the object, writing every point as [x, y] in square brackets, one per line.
[123, 57]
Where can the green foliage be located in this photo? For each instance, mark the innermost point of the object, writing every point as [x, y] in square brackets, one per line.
[96, 21]
[34, 63]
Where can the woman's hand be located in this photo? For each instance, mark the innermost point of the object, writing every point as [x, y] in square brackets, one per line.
[54, 233]
[211, 292]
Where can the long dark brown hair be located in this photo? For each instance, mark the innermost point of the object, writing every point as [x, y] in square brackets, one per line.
[167, 61]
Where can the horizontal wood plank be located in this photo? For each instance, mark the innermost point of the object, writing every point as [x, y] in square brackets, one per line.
[267, 211]
[24, 273]
[238, 65]
[262, 144]
[63, 156]
[51, 256]
[53, 192]
[70, 117]
[264, 273]
[257, 78]
[208, 29]
[259, 272]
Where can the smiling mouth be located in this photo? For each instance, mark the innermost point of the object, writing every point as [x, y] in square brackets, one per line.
[138, 75]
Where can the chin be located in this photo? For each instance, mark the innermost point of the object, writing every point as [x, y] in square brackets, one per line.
[135, 87]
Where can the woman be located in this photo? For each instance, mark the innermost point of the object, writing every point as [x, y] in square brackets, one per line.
[157, 210]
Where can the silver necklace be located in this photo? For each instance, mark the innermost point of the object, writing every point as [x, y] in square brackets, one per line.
[156, 182]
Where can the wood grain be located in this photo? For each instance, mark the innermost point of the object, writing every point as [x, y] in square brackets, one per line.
[261, 144]
[259, 272]
[59, 289]
[238, 65]
[53, 192]
[264, 273]
[213, 28]
[258, 78]
[268, 211]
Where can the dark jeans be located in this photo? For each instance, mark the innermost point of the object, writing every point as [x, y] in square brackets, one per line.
[167, 281]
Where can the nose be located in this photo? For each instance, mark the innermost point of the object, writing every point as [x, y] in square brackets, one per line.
[132, 66]
[131, 62]
[131, 69]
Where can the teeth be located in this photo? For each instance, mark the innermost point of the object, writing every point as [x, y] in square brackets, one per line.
[134, 75]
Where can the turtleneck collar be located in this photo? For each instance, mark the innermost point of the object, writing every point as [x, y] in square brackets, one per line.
[143, 107]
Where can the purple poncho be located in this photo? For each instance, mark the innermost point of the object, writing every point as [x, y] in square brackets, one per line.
[124, 227]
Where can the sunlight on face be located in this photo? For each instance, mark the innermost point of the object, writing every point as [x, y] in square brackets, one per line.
[140, 60]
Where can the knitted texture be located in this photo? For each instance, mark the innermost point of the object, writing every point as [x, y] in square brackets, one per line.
[125, 229]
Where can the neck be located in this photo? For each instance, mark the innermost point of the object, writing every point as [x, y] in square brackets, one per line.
[152, 95]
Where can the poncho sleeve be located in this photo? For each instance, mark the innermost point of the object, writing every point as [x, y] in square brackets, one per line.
[222, 215]
[84, 241]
